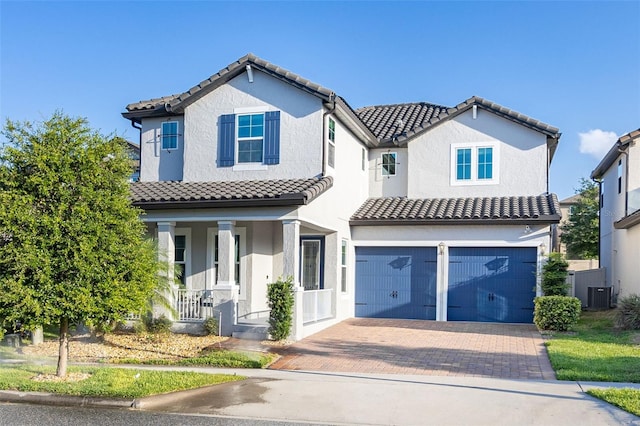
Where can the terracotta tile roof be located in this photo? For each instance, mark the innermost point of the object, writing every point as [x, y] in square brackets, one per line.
[398, 210]
[176, 103]
[171, 194]
[383, 119]
[393, 121]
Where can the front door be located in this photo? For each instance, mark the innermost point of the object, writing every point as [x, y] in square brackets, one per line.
[311, 263]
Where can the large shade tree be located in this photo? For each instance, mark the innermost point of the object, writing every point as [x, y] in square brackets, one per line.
[72, 248]
[580, 232]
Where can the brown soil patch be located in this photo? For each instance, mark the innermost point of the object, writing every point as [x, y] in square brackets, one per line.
[70, 377]
[118, 346]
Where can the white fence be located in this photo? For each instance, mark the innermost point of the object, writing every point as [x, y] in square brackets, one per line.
[317, 305]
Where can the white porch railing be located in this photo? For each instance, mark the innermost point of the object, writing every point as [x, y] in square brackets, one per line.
[317, 305]
[189, 304]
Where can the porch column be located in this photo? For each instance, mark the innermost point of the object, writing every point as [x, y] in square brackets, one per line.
[291, 268]
[166, 255]
[225, 292]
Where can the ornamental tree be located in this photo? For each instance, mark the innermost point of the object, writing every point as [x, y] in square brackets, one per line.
[72, 248]
[580, 233]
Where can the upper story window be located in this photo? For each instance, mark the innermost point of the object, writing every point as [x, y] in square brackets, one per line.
[389, 163]
[331, 158]
[170, 135]
[619, 176]
[250, 138]
[364, 159]
[474, 164]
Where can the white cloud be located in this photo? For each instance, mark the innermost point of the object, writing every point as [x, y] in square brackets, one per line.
[597, 142]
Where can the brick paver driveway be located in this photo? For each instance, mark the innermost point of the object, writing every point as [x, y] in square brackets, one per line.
[391, 346]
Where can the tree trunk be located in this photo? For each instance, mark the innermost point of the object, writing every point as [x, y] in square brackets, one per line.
[63, 352]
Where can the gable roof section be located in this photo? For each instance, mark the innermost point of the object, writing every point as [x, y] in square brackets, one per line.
[611, 156]
[257, 193]
[457, 211]
[422, 116]
[176, 103]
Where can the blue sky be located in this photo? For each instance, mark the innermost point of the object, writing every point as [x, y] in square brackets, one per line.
[574, 65]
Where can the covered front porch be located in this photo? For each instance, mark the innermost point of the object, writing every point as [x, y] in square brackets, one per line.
[222, 269]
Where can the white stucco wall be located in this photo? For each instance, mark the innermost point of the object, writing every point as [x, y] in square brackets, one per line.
[300, 129]
[612, 210]
[522, 158]
[626, 264]
[158, 164]
[388, 186]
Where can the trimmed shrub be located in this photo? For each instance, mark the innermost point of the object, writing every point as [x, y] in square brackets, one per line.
[554, 276]
[628, 312]
[162, 324]
[211, 326]
[558, 313]
[280, 300]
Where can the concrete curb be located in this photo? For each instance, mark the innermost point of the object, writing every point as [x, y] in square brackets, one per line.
[45, 398]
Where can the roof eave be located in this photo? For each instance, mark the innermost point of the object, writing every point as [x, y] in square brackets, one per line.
[542, 220]
[204, 204]
[628, 221]
[613, 154]
[348, 116]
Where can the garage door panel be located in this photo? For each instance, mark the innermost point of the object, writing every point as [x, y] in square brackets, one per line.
[491, 284]
[396, 282]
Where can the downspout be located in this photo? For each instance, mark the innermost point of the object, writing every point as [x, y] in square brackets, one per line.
[626, 179]
[600, 206]
[332, 98]
[133, 124]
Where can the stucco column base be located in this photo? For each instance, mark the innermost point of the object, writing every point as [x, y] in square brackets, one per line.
[225, 298]
[298, 318]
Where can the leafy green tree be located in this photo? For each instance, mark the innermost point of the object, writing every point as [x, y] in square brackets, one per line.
[580, 233]
[72, 248]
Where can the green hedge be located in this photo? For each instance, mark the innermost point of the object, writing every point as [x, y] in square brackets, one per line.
[280, 300]
[558, 313]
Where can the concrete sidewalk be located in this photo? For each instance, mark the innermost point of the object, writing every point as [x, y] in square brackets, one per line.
[354, 398]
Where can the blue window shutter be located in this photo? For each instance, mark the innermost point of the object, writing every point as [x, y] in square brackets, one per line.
[226, 141]
[272, 137]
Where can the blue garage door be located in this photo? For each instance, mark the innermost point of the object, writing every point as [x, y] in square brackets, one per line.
[491, 284]
[396, 282]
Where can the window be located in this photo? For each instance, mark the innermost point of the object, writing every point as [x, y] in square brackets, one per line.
[237, 257]
[343, 263]
[331, 158]
[170, 135]
[364, 159]
[250, 138]
[619, 176]
[180, 259]
[474, 164]
[485, 163]
[389, 164]
[463, 164]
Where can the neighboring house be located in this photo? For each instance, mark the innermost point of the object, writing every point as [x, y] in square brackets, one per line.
[395, 211]
[134, 154]
[566, 210]
[619, 176]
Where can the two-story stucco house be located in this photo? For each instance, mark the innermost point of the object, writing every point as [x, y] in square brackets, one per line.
[619, 176]
[397, 211]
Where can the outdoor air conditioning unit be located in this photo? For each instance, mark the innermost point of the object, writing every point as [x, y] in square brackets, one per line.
[599, 297]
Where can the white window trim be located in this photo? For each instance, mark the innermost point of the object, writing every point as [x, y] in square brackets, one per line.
[210, 275]
[187, 255]
[344, 266]
[332, 143]
[474, 164]
[395, 156]
[177, 135]
[238, 140]
[302, 253]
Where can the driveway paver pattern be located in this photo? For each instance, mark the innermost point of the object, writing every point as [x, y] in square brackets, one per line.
[390, 346]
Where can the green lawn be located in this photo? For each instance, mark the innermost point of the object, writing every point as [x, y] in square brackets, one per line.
[625, 398]
[595, 351]
[228, 359]
[108, 382]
